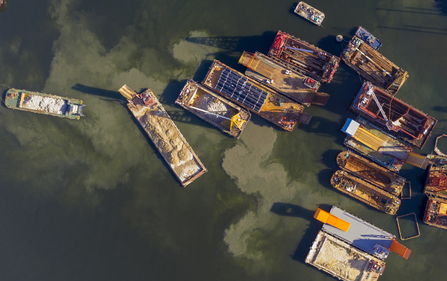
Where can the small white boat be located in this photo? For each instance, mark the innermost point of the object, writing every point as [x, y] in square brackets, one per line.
[310, 13]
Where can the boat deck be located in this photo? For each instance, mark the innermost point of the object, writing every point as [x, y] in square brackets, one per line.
[272, 74]
[361, 234]
[373, 66]
[165, 135]
[371, 172]
[342, 260]
[436, 212]
[264, 101]
[213, 108]
[302, 57]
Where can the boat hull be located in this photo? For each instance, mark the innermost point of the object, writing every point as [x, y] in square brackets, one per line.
[199, 100]
[365, 192]
[46, 104]
[309, 13]
[373, 173]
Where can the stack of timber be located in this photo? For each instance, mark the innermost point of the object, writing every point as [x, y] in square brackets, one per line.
[373, 66]
[379, 141]
[259, 99]
[309, 13]
[365, 192]
[294, 85]
[165, 135]
[302, 57]
[216, 110]
[390, 113]
[436, 190]
[42, 103]
[367, 170]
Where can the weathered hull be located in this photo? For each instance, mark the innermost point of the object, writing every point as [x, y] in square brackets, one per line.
[373, 66]
[308, 59]
[365, 192]
[252, 95]
[436, 212]
[270, 73]
[407, 122]
[309, 13]
[42, 103]
[373, 173]
[209, 106]
[165, 135]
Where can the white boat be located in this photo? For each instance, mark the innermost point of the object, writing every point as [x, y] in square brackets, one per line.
[310, 13]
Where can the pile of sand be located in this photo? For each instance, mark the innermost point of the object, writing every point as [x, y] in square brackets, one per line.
[167, 138]
[214, 105]
[47, 104]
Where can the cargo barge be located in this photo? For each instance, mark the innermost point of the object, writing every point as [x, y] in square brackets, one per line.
[252, 95]
[379, 141]
[270, 73]
[365, 192]
[342, 260]
[302, 57]
[436, 190]
[216, 110]
[309, 13]
[42, 103]
[368, 38]
[373, 66]
[164, 134]
[390, 113]
[373, 173]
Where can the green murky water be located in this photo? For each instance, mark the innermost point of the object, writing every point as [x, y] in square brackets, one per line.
[93, 200]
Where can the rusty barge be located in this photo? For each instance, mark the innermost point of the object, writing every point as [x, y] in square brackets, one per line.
[216, 110]
[365, 192]
[164, 134]
[374, 67]
[373, 173]
[390, 113]
[259, 99]
[296, 86]
[302, 57]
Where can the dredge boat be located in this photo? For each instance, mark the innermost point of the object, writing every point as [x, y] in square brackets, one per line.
[365, 192]
[294, 85]
[221, 113]
[302, 57]
[405, 121]
[436, 189]
[42, 103]
[164, 134]
[368, 38]
[378, 141]
[374, 67]
[375, 174]
[309, 13]
[259, 99]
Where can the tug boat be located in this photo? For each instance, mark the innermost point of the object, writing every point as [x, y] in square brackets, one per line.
[368, 38]
[309, 13]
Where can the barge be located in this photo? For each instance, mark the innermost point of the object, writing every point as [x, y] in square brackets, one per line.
[378, 141]
[436, 190]
[42, 103]
[371, 172]
[368, 38]
[400, 118]
[296, 86]
[343, 261]
[164, 134]
[302, 57]
[252, 95]
[216, 110]
[365, 192]
[309, 13]
[374, 67]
